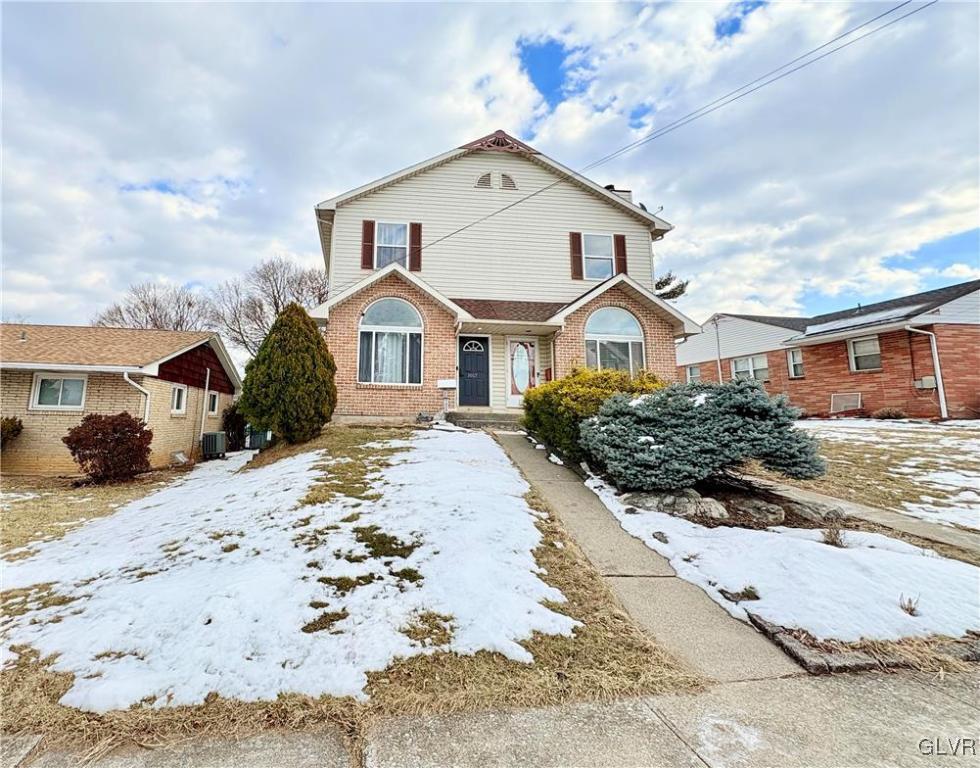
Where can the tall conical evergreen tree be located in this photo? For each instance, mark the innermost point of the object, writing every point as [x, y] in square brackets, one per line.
[289, 385]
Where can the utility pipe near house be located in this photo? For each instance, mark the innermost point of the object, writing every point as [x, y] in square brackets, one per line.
[943, 412]
[204, 403]
[717, 349]
[146, 393]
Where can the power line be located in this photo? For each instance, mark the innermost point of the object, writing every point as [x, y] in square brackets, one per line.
[712, 106]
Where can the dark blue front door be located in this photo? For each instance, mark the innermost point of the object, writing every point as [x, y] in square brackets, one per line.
[474, 370]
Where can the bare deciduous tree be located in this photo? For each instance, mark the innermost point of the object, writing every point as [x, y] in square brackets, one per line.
[244, 309]
[156, 306]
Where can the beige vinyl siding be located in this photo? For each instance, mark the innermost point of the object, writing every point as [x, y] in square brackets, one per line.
[738, 338]
[965, 310]
[521, 254]
[498, 368]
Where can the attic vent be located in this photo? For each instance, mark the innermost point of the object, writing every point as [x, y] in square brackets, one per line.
[484, 181]
[507, 181]
[845, 402]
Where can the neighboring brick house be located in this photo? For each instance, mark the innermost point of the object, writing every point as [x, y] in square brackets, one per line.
[178, 382]
[857, 360]
[443, 290]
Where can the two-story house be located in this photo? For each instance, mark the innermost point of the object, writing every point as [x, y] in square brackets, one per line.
[464, 280]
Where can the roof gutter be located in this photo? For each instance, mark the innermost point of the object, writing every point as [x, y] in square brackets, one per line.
[146, 392]
[943, 411]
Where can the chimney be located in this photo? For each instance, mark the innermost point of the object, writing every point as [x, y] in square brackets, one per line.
[626, 194]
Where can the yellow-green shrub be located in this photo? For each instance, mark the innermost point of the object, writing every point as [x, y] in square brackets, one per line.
[554, 411]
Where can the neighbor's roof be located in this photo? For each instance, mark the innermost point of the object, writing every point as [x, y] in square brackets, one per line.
[792, 323]
[25, 345]
[524, 311]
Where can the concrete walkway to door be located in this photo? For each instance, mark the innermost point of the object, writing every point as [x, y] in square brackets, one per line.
[679, 615]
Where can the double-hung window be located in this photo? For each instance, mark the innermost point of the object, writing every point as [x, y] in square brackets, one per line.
[794, 360]
[178, 399]
[58, 393]
[693, 373]
[614, 339]
[752, 367]
[597, 256]
[864, 353]
[390, 344]
[390, 244]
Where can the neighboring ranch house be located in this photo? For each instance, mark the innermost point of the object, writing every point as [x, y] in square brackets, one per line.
[918, 353]
[178, 382]
[442, 294]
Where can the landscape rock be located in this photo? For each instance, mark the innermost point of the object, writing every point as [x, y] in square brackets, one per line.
[757, 509]
[685, 503]
[815, 511]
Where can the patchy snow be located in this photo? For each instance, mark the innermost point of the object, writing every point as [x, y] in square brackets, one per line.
[555, 460]
[8, 498]
[206, 585]
[834, 593]
[947, 464]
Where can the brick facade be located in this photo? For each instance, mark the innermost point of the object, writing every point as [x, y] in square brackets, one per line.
[905, 356]
[39, 450]
[659, 348]
[391, 400]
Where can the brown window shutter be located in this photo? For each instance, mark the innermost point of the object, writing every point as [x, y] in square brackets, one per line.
[367, 244]
[414, 247]
[575, 248]
[619, 249]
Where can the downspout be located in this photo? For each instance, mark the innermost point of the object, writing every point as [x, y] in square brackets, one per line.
[718, 349]
[204, 403]
[146, 393]
[943, 411]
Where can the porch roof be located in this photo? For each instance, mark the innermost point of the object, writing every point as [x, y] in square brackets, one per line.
[521, 311]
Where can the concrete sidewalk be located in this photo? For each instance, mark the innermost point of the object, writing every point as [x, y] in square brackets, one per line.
[677, 614]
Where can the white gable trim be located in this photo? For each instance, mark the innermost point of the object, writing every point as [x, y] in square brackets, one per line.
[323, 311]
[687, 325]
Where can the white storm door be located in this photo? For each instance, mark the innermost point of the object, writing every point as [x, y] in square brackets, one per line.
[521, 369]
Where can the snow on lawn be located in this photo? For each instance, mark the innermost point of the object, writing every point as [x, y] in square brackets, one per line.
[207, 584]
[945, 464]
[834, 593]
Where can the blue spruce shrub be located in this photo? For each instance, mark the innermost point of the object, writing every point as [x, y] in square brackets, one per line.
[678, 436]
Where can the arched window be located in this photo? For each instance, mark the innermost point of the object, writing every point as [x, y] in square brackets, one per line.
[390, 349]
[614, 339]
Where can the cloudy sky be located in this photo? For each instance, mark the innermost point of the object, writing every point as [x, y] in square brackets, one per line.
[183, 143]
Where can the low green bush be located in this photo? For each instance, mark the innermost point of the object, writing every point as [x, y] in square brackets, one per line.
[554, 411]
[10, 427]
[686, 433]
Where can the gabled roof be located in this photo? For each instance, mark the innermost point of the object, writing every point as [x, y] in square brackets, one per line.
[498, 141]
[323, 311]
[791, 323]
[135, 350]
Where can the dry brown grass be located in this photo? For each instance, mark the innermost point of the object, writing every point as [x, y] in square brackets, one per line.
[64, 503]
[608, 657]
[924, 654]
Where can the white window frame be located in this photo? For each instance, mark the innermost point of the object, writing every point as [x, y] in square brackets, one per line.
[852, 364]
[376, 329]
[687, 373]
[631, 340]
[183, 399]
[379, 244]
[790, 363]
[611, 258]
[752, 366]
[36, 391]
[217, 402]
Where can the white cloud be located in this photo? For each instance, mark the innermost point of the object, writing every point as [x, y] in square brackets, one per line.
[184, 143]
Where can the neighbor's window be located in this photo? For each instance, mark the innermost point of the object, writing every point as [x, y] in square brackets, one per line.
[693, 373]
[864, 353]
[754, 367]
[597, 256]
[390, 244]
[794, 358]
[390, 345]
[614, 339]
[212, 403]
[58, 393]
[178, 398]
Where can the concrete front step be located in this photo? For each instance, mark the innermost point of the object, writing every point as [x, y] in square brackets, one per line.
[484, 419]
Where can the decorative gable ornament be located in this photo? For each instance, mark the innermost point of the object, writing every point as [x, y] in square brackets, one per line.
[500, 141]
